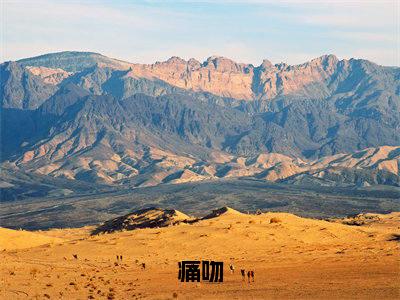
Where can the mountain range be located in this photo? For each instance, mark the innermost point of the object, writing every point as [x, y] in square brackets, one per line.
[83, 116]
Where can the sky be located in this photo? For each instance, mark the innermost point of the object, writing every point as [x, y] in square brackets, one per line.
[245, 31]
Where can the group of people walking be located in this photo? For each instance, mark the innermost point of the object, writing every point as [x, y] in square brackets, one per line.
[250, 273]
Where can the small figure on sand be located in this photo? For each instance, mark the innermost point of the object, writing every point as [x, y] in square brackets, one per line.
[232, 268]
[248, 276]
[252, 275]
[243, 272]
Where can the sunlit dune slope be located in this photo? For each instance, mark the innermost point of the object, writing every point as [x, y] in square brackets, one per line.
[20, 239]
[292, 257]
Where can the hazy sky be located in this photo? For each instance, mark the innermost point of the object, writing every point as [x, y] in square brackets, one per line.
[246, 31]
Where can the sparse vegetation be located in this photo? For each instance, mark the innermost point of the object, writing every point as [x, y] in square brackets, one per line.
[275, 220]
[354, 222]
[395, 237]
[34, 272]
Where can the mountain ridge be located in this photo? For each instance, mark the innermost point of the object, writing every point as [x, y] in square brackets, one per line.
[82, 115]
[244, 81]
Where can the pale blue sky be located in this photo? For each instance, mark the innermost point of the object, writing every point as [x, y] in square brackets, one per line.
[246, 31]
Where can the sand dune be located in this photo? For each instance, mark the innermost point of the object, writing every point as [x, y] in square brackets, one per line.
[292, 257]
[20, 239]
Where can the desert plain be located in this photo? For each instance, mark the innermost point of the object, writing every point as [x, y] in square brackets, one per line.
[292, 257]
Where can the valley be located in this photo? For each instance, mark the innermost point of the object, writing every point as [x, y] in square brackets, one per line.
[197, 199]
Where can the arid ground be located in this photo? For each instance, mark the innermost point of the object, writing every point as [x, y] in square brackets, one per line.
[293, 258]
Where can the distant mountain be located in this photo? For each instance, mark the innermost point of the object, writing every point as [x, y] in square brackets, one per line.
[18, 185]
[73, 61]
[81, 115]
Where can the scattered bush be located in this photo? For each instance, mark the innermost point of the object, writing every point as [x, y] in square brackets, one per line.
[110, 296]
[275, 220]
[34, 271]
[395, 237]
[354, 222]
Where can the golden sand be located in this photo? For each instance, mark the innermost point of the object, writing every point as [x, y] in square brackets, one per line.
[293, 258]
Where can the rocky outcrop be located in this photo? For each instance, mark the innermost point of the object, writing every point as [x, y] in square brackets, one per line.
[49, 75]
[145, 218]
[154, 217]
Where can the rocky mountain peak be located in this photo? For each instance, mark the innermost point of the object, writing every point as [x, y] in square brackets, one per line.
[266, 64]
[324, 61]
[194, 63]
[176, 60]
[223, 64]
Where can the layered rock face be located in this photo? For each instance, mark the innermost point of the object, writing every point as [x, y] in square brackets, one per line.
[217, 75]
[224, 77]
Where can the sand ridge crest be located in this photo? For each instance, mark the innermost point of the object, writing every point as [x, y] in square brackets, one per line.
[223, 211]
[20, 239]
